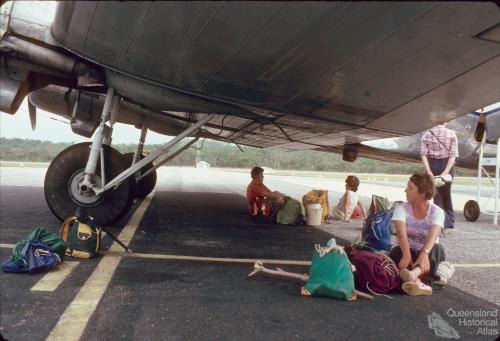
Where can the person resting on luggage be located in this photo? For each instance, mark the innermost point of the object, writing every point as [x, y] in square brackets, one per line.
[350, 206]
[260, 198]
[418, 225]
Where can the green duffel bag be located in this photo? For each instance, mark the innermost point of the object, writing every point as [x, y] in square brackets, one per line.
[52, 240]
[290, 213]
[330, 274]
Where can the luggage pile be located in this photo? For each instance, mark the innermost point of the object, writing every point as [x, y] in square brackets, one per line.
[42, 250]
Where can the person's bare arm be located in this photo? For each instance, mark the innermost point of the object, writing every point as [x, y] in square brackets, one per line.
[275, 195]
[426, 164]
[346, 201]
[403, 244]
[423, 257]
[451, 162]
[271, 194]
[265, 188]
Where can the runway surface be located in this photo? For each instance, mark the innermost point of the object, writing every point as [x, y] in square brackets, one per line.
[170, 290]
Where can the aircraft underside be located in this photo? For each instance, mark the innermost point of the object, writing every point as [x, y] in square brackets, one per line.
[286, 75]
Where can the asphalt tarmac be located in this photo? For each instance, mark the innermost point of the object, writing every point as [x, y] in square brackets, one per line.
[156, 295]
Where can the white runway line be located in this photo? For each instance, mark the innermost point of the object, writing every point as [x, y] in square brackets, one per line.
[73, 321]
[55, 277]
[246, 260]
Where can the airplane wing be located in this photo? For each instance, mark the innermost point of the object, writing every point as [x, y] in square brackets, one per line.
[291, 75]
[287, 75]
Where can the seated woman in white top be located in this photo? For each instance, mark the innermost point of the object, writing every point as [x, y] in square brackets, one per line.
[418, 225]
[349, 201]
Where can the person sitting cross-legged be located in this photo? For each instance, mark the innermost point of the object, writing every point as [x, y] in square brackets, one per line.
[418, 224]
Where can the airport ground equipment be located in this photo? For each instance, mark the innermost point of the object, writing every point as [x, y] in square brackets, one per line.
[472, 207]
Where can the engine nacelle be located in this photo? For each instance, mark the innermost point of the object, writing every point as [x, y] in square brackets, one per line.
[61, 101]
[349, 153]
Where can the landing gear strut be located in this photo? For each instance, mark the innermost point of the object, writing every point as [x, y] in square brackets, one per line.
[96, 176]
[145, 185]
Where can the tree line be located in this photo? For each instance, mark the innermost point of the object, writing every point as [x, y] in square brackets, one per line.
[221, 154]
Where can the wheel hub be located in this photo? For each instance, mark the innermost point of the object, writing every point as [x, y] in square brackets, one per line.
[83, 195]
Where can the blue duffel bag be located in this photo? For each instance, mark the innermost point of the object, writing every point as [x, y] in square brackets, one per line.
[35, 256]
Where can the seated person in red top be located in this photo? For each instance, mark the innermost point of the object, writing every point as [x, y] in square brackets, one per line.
[259, 197]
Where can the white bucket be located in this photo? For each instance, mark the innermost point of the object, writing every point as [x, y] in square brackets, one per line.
[314, 212]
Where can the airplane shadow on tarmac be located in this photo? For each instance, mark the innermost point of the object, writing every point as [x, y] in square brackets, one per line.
[217, 225]
[186, 299]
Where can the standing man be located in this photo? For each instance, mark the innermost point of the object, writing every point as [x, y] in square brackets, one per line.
[439, 149]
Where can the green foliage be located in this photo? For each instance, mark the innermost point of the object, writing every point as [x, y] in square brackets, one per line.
[220, 154]
[29, 150]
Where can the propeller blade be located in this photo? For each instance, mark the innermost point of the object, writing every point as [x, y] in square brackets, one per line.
[32, 111]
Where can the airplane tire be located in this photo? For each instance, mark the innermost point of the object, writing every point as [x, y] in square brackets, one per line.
[471, 210]
[66, 171]
[145, 185]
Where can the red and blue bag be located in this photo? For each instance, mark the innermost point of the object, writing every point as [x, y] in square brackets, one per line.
[35, 256]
